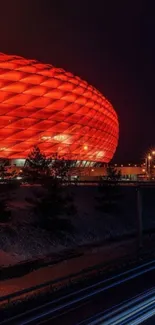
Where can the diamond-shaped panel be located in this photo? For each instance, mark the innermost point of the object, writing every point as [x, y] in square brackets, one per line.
[46, 106]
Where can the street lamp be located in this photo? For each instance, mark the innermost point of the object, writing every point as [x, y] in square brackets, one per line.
[149, 164]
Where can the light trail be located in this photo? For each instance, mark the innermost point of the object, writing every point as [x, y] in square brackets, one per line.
[132, 312]
[69, 301]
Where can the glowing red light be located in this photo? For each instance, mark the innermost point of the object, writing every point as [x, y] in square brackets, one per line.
[45, 106]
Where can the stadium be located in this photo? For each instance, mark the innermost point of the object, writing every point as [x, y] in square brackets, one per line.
[55, 110]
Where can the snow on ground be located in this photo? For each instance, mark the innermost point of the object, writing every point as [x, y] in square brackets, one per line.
[66, 267]
[22, 239]
[7, 259]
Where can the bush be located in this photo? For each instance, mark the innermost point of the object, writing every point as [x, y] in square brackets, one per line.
[5, 198]
[52, 206]
[110, 195]
[109, 198]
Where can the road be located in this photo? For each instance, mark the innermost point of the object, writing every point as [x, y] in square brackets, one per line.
[123, 295]
[150, 321]
[115, 298]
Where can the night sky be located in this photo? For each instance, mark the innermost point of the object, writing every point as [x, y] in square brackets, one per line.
[111, 44]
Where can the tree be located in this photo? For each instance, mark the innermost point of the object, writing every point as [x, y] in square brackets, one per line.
[60, 168]
[109, 192]
[36, 164]
[3, 168]
[5, 172]
[6, 191]
[5, 213]
[52, 206]
[113, 174]
[53, 202]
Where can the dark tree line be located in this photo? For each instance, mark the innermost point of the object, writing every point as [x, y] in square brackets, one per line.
[52, 202]
[110, 195]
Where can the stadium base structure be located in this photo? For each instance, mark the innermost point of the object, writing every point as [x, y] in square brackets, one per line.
[74, 163]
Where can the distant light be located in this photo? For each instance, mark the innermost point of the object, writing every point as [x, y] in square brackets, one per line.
[153, 152]
[46, 138]
[92, 170]
[135, 165]
[18, 177]
[85, 147]
[115, 164]
[149, 157]
[121, 165]
[143, 170]
[129, 164]
[100, 154]
[60, 137]
[18, 162]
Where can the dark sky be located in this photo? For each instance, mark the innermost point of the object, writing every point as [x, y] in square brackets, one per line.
[111, 44]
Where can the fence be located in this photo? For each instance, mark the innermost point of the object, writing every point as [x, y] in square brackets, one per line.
[72, 278]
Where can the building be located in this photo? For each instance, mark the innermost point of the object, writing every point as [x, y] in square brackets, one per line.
[55, 110]
[128, 172]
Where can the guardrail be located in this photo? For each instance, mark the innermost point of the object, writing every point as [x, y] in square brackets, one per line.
[71, 299]
[83, 182]
[68, 279]
[123, 182]
[83, 274]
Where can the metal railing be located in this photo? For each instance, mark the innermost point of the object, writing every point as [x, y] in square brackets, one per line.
[69, 279]
[83, 293]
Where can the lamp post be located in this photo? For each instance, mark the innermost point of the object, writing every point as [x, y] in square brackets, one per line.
[146, 166]
[149, 165]
[153, 156]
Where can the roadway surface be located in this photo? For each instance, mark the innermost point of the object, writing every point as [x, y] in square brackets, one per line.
[104, 301]
[150, 321]
[109, 302]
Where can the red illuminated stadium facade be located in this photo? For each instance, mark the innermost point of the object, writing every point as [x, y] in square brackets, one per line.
[46, 106]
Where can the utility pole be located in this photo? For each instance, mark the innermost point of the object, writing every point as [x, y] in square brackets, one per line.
[139, 217]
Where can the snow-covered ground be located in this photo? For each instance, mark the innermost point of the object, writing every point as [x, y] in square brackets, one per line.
[66, 267]
[7, 259]
[22, 239]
